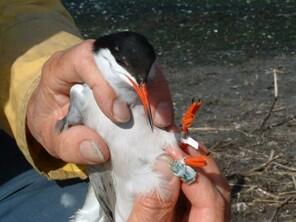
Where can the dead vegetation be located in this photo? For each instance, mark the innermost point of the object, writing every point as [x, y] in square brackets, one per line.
[264, 185]
[256, 153]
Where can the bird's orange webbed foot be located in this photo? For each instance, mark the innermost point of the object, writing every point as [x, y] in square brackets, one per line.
[189, 116]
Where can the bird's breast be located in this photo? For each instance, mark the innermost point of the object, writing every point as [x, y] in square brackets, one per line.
[133, 145]
[134, 148]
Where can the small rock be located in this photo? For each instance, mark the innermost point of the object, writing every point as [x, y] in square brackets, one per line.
[242, 206]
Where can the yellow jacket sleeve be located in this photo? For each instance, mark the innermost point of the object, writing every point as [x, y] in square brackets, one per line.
[30, 32]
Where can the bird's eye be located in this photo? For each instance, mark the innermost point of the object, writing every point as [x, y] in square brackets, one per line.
[119, 61]
[122, 61]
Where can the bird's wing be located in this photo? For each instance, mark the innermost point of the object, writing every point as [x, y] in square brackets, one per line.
[102, 182]
[74, 116]
[100, 176]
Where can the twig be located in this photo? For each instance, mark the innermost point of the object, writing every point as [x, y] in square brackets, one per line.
[275, 83]
[266, 193]
[247, 148]
[245, 133]
[259, 156]
[287, 15]
[216, 129]
[243, 185]
[293, 169]
[263, 165]
[284, 173]
[279, 109]
[285, 167]
[195, 129]
[215, 145]
[275, 98]
[268, 201]
[287, 193]
[221, 144]
[286, 120]
[278, 208]
[294, 181]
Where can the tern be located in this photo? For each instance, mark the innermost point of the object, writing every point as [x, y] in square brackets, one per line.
[127, 62]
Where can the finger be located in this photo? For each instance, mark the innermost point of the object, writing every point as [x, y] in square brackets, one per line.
[207, 203]
[170, 184]
[81, 145]
[212, 171]
[105, 96]
[210, 197]
[212, 166]
[77, 65]
[153, 207]
[160, 100]
[160, 204]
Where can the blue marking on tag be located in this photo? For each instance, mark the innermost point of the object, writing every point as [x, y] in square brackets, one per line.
[186, 173]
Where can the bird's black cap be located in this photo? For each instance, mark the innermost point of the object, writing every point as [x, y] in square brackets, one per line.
[131, 50]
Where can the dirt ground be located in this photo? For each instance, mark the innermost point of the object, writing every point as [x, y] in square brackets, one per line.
[225, 53]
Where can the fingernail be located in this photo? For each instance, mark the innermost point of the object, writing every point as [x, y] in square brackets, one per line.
[163, 115]
[91, 152]
[121, 111]
[176, 154]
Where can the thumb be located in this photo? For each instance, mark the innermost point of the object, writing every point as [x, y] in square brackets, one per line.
[81, 145]
[206, 201]
[152, 208]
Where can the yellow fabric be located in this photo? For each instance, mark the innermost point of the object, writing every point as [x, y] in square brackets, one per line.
[30, 32]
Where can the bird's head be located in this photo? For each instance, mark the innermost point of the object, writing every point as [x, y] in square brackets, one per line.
[127, 61]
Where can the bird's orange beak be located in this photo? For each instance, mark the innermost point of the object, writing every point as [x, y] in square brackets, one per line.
[142, 92]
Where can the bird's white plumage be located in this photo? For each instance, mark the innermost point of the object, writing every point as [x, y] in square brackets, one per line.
[91, 210]
[116, 75]
[134, 147]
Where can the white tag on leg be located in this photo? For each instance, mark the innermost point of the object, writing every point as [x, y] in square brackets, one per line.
[190, 141]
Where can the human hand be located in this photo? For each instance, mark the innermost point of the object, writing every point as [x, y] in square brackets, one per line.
[50, 101]
[207, 200]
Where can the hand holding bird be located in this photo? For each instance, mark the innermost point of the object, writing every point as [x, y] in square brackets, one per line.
[50, 101]
[80, 144]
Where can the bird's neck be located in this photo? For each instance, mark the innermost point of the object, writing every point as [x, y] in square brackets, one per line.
[111, 73]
